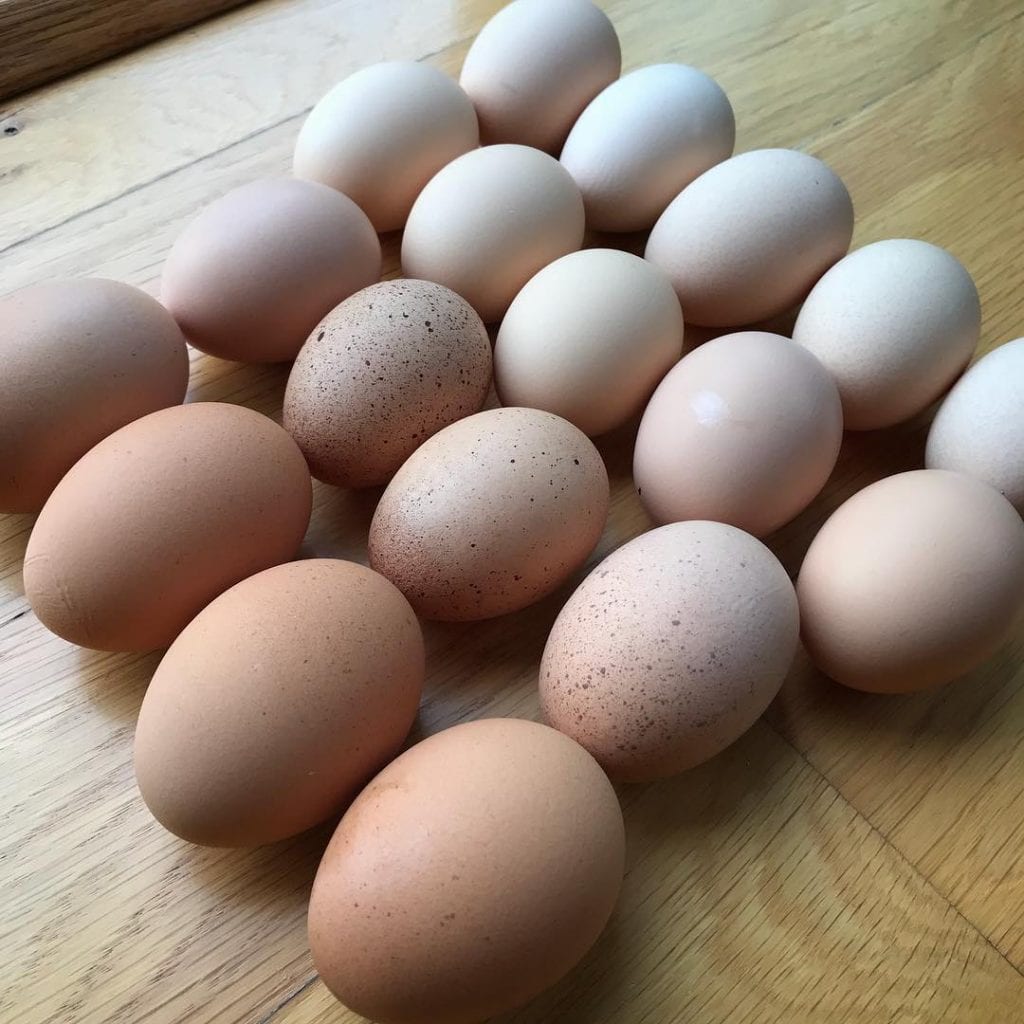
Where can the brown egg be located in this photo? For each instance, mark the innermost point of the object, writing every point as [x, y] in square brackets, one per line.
[380, 374]
[912, 582]
[486, 223]
[277, 702]
[249, 277]
[747, 239]
[470, 875]
[491, 514]
[159, 518]
[670, 649]
[381, 134]
[534, 67]
[80, 358]
[744, 430]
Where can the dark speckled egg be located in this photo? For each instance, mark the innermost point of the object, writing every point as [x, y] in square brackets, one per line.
[382, 372]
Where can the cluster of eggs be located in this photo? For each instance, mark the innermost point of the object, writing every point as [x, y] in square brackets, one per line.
[477, 867]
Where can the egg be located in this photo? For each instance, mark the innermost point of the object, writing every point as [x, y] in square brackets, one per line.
[486, 223]
[381, 134]
[159, 518]
[895, 323]
[670, 649]
[80, 359]
[979, 428]
[747, 239]
[645, 138]
[912, 582]
[277, 702]
[251, 275]
[588, 338]
[471, 874]
[744, 430]
[535, 65]
[491, 514]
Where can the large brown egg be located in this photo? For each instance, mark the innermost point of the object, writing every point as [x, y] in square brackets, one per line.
[470, 875]
[491, 514]
[79, 359]
[912, 582]
[380, 374]
[159, 518]
[277, 702]
[251, 275]
[670, 649]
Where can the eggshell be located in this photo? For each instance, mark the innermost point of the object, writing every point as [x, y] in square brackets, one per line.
[912, 582]
[486, 223]
[744, 430]
[535, 65]
[645, 138]
[80, 358]
[588, 338]
[252, 274]
[470, 875]
[380, 374]
[979, 428]
[277, 702]
[747, 239]
[382, 133]
[159, 518]
[491, 514]
[894, 323]
[670, 649]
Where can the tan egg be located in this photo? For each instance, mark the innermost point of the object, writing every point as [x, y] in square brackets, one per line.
[159, 518]
[470, 875]
[487, 222]
[979, 428]
[895, 323]
[588, 338]
[535, 65]
[80, 358]
[744, 430]
[277, 702]
[912, 582]
[491, 514]
[747, 239]
[381, 134]
[251, 275]
[670, 649]
[645, 138]
[380, 374]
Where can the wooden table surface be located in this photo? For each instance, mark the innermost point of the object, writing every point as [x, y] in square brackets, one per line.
[853, 858]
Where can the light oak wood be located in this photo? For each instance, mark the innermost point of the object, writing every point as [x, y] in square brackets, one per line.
[853, 858]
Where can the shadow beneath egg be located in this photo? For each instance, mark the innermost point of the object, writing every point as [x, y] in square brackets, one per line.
[116, 683]
[340, 524]
[259, 386]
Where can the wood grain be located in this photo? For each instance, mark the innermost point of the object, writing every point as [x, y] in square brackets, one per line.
[853, 858]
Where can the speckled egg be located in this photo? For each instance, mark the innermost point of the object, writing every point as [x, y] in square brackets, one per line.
[895, 323]
[277, 702]
[491, 514]
[670, 649]
[979, 428]
[470, 875]
[79, 359]
[161, 517]
[535, 65]
[912, 582]
[380, 374]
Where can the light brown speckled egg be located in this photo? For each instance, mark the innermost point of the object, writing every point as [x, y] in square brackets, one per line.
[912, 582]
[491, 514]
[78, 360]
[670, 649]
[277, 702]
[471, 874]
[161, 517]
[380, 374]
